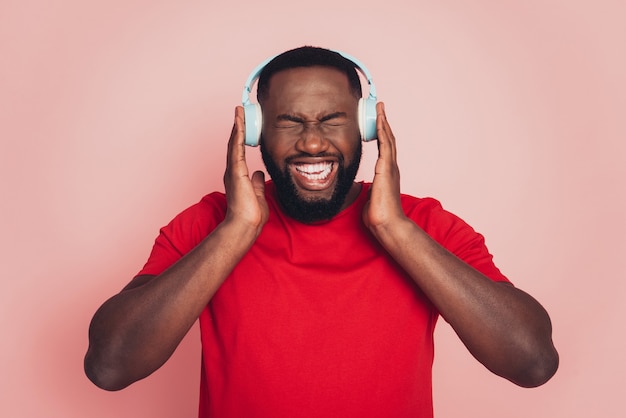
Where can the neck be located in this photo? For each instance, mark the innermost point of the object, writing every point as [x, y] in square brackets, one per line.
[355, 189]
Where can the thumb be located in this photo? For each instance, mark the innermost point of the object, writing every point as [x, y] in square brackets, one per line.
[258, 183]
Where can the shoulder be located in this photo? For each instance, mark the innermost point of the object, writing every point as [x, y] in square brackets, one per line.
[200, 217]
[215, 201]
[420, 204]
[431, 216]
[212, 202]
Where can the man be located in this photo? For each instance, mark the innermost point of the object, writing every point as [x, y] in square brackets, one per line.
[317, 295]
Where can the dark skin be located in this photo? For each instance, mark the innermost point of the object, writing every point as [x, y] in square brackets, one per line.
[137, 330]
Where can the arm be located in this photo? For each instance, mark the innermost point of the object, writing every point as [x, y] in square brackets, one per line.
[504, 328]
[137, 330]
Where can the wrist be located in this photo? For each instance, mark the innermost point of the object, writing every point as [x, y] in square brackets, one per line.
[393, 232]
[239, 231]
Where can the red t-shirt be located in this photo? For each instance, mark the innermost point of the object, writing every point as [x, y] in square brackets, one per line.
[317, 320]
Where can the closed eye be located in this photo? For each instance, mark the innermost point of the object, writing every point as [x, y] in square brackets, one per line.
[287, 121]
[334, 119]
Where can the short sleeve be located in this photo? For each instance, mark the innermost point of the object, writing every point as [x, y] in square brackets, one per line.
[454, 234]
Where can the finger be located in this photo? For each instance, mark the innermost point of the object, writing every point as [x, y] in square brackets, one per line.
[386, 139]
[236, 145]
[390, 135]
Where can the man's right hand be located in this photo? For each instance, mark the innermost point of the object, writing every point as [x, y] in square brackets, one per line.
[245, 195]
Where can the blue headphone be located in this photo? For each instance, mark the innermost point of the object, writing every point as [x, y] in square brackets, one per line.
[254, 117]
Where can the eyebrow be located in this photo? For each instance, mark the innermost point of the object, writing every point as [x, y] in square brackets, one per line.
[334, 115]
[289, 118]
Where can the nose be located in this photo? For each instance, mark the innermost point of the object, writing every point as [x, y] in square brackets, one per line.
[312, 140]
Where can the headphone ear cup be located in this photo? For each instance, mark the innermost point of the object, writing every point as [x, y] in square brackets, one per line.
[254, 123]
[367, 118]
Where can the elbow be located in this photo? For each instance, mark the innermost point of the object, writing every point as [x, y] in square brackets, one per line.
[538, 370]
[103, 376]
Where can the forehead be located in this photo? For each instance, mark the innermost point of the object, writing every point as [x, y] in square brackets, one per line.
[309, 82]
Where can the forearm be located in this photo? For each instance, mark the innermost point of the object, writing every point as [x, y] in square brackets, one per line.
[136, 331]
[503, 327]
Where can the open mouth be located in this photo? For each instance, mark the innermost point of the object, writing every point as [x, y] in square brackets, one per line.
[315, 172]
[314, 176]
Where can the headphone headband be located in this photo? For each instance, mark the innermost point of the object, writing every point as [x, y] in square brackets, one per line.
[254, 75]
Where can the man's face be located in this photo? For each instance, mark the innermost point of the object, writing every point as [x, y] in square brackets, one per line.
[311, 142]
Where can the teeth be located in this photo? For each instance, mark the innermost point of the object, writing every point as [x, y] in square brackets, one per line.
[318, 171]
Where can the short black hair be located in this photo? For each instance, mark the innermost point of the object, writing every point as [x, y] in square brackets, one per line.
[308, 56]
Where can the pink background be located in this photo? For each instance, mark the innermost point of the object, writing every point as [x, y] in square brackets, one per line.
[114, 116]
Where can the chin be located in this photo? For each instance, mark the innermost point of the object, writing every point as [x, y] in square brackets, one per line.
[304, 204]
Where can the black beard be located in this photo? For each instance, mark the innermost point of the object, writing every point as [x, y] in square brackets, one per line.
[309, 211]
